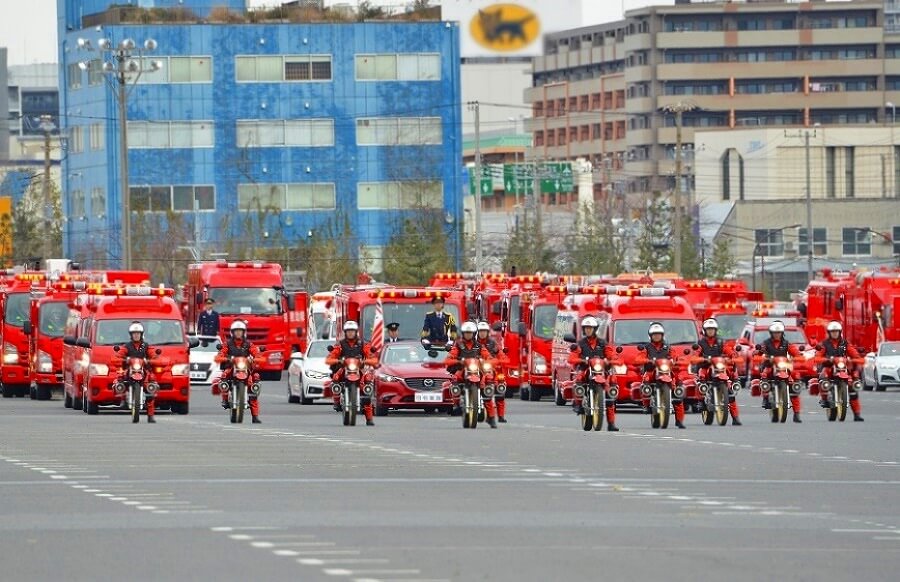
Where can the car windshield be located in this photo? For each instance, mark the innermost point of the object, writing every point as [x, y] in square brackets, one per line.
[206, 345]
[16, 309]
[889, 349]
[53, 318]
[246, 300]
[730, 326]
[544, 320]
[411, 354]
[157, 332]
[793, 336]
[317, 350]
[634, 331]
[410, 316]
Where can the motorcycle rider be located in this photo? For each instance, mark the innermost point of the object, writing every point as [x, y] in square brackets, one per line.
[836, 346]
[352, 347]
[239, 346]
[499, 360]
[137, 348]
[590, 346]
[658, 348]
[712, 346]
[777, 345]
[468, 347]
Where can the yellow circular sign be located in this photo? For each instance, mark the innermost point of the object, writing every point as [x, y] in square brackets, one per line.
[505, 27]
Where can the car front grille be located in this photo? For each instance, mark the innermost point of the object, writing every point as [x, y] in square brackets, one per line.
[200, 367]
[423, 383]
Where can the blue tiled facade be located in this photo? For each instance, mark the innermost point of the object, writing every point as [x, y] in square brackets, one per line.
[93, 233]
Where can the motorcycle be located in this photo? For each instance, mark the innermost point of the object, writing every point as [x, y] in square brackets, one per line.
[776, 383]
[835, 385]
[240, 386]
[714, 384]
[352, 389]
[135, 385]
[595, 388]
[471, 391]
[661, 389]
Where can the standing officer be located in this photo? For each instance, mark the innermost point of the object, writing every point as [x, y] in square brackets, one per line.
[439, 327]
[208, 322]
[393, 333]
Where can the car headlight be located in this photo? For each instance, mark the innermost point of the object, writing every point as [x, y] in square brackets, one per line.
[180, 369]
[99, 369]
[887, 366]
[44, 362]
[315, 375]
[10, 354]
[388, 378]
[538, 364]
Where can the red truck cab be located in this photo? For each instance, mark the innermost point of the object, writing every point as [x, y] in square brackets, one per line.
[15, 304]
[539, 311]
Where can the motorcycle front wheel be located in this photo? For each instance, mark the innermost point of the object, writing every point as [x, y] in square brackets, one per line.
[135, 404]
[779, 408]
[237, 405]
[350, 407]
[663, 406]
[722, 406]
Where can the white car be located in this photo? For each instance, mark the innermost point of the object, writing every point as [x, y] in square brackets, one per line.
[202, 358]
[882, 369]
[308, 373]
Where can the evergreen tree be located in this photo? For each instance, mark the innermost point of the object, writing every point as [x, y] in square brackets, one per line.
[723, 262]
[528, 249]
[594, 246]
[654, 243]
[417, 250]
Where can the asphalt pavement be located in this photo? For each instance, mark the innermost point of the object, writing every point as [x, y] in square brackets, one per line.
[418, 498]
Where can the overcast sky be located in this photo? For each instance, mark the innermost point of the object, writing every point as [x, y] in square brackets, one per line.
[28, 27]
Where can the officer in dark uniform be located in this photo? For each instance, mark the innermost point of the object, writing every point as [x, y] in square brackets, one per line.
[439, 327]
[208, 322]
[393, 333]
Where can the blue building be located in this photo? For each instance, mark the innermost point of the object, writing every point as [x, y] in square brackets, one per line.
[289, 124]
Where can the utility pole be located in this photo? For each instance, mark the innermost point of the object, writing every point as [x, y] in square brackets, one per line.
[809, 221]
[47, 127]
[884, 193]
[124, 193]
[474, 106]
[678, 109]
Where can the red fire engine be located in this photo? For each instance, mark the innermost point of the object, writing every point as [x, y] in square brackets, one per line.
[15, 304]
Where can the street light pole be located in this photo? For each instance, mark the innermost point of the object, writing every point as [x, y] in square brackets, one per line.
[474, 106]
[809, 221]
[47, 127]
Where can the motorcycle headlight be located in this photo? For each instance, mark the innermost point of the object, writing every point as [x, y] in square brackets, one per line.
[99, 369]
[784, 365]
[538, 364]
[487, 366]
[488, 391]
[136, 366]
[720, 366]
[620, 369]
[10, 354]
[352, 367]
[181, 369]
[44, 362]
[664, 367]
[598, 368]
[473, 367]
[841, 365]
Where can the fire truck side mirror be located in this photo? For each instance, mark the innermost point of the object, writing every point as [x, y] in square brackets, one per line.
[193, 342]
[83, 342]
[498, 326]
[496, 308]
[569, 338]
[69, 340]
[26, 328]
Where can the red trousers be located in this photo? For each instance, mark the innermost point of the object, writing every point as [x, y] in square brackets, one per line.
[610, 409]
[501, 407]
[151, 406]
[252, 401]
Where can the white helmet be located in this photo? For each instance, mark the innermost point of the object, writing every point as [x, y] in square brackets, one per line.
[777, 326]
[834, 326]
[710, 324]
[590, 321]
[656, 328]
[469, 327]
[238, 325]
[351, 325]
[483, 326]
[136, 327]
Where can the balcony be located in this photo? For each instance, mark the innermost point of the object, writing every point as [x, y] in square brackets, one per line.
[637, 74]
[640, 105]
[690, 40]
[641, 137]
[715, 71]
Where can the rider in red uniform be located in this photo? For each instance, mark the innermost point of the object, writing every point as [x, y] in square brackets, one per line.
[136, 348]
[777, 345]
[711, 346]
[836, 346]
[590, 346]
[239, 346]
[468, 347]
[659, 349]
[352, 347]
[498, 360]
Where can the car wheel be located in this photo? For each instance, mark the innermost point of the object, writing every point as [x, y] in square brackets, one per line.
[879, 387]
[381, 410]
[524, 393]
[291, 398]
[560, 401]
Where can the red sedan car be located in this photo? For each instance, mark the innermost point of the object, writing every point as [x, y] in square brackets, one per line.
[409, 377]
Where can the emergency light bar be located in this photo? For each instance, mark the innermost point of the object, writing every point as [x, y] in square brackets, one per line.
[408, 294]
[651, 292]
[133, 291]
[33, 277]
[526, 279]
[71, 286]
[776, 313]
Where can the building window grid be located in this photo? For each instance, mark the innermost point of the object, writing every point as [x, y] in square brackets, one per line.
[170, 134]
[96, 134]
[399, 131]
[98, 202]
[312, 68]
[896, 238]
[77, 207]
[177, 70]
[73, 76]
[856, 242]
[402, 195]
[820, 242]
[174, 198]
[769, 242]
[301, 196]
[398, 67]
[76, 139]
[285, 133]
[95, 72]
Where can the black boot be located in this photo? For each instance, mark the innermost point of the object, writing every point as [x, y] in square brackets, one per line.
[501, 419]
[824, 403]
[256, 420]
[766, 404]
[735, 421]
[370, 422]
[797, 418]
[611, 427]
[578, 409]
[151, 420]
[491, 422]
[679, 424]
[226, 405]
[858, 418]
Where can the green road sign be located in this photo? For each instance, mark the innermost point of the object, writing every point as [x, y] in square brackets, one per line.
[486, 184]
[556, 178]
[518, 178]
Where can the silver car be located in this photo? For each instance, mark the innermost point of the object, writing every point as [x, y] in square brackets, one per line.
[882, 369]
[308, 373]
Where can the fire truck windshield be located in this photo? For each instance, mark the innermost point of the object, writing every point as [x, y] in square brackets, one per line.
[157, 332]
[545, 321]
[246, 300]
[17, 305]
[53, 318]
[730, 326]
[410, 316]
[634, 331]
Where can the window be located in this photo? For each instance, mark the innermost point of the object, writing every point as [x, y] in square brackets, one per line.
[261, 196]
[400, 195]
[73, 76]
[150, 198]
[278, 68]
[310, 197]
[170, 134]
[183, 198]
[96, 136]
[190, 69]
[176, 198]
[820, 242]
[77, 206]
[850, 182]
[830, 185]
[98, 202]
[95, 72]
[769, 242]
[896, 239]
[399, 131]
[286, 133]
[76, 139]
[398, 67]
[856, 242]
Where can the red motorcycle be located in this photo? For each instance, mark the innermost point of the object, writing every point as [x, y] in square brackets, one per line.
[355, 385]
[594, 386]
[835, 384]
[659, 385]
[715, 386]
[472, 390]
[135, 385]
[776, 382]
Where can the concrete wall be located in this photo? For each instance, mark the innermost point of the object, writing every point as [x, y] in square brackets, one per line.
[501, 83]
[4, 107]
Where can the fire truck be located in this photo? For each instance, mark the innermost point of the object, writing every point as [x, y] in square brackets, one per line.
[539, 311]
[15, 304]
[872, 311]
[250, 291]
[102, 322]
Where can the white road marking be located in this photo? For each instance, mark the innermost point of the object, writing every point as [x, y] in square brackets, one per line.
[343, 572]
[318, 562]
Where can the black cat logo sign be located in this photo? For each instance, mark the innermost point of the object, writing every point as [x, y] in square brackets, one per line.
[505, 27]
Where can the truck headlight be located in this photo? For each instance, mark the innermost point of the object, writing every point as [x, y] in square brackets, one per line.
[99, 369]
[181, 369]
[538, 364]
[10, 353]
[44, 362]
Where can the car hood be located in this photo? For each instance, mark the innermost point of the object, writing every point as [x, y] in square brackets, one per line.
[316, 365]
[885, 360]
[413, 370]
[202, 357]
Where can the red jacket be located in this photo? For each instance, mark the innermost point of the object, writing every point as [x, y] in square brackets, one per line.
[225, 353]
[577, 357]
[453, 357]
[337, 352]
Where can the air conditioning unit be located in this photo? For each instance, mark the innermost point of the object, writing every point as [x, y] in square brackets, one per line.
[790, 246]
